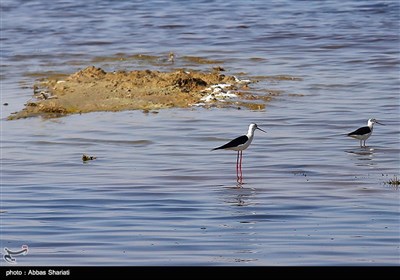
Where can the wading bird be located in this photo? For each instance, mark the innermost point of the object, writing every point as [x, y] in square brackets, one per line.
[239, 144]
[363, 133]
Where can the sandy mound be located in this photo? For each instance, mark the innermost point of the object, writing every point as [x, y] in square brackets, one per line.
[93, 89]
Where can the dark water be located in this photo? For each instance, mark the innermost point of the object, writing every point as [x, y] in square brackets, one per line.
[156, 195]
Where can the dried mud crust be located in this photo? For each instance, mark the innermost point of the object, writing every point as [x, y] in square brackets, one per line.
[93, 89]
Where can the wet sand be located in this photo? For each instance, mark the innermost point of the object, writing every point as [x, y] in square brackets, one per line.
[93, 89]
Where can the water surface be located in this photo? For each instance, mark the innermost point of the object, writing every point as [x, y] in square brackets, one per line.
[156, 194]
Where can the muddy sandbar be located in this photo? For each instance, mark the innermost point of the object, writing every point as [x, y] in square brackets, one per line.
[93, 89]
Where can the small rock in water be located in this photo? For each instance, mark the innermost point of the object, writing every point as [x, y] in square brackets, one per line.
[86, 157]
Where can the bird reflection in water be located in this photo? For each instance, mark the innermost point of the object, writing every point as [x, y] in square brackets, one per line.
[364, 157]
[241, 198]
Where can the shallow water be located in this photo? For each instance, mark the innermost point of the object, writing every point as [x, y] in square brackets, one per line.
[156, 194]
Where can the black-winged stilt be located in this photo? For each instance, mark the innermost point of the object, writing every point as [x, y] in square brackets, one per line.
[363, 133]
[239, 144]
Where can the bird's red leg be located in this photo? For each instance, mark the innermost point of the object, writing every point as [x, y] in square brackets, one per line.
[237, 167]
[241, 174]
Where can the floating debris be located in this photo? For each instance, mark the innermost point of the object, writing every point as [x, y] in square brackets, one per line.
[171, 57]
[86, 157]
[217, 93]
[242, 82]
[394, 181]
[46, 95]
[220, 96]
[218, 68]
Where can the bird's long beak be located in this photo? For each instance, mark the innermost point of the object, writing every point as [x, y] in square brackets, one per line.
[379, 123]
[261, 129]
